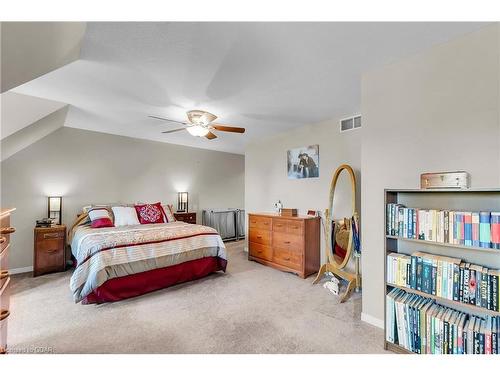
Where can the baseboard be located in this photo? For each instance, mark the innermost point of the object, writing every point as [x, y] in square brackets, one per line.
[379, 323]
[14, 271]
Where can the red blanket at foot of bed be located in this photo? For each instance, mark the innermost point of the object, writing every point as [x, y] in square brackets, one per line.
[145, 282]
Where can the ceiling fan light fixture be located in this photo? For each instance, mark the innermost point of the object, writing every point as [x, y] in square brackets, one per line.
[198, 130]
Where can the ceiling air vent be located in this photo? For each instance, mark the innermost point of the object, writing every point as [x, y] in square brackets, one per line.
[350, 123]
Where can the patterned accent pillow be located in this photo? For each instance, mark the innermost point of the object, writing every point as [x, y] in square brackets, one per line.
[100, 218]
[150, 213]
[168, 209]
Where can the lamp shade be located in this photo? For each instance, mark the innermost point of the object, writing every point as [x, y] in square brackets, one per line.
[54, 203]
[55, 209]
[182, 201]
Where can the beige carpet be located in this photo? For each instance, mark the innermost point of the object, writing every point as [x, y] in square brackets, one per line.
[250, 309]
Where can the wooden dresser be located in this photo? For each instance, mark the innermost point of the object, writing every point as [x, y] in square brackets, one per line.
[287, 243]
[5, 231]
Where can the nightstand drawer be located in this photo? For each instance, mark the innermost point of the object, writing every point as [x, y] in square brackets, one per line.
[186, 217]
[49, 257]
[50, 236]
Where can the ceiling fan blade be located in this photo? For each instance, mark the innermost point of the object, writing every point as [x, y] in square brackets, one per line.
[167, 119]
[231, 129]
[210, 135]
[173, 131]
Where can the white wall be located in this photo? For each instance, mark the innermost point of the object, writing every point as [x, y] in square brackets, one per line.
[88, 167]
[436, 111]
[266, 179]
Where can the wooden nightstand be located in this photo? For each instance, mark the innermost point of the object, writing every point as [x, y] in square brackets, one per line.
[187, 217]
[50, 245]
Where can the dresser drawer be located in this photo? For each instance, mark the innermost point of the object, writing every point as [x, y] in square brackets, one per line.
[259, 236]
[4, 259]
[287, 258]
[260, 222]
[279, 225]
[295, 227]
[4, 241]
[3, 335]
[260, 251]
[288, 242]
[5, 294]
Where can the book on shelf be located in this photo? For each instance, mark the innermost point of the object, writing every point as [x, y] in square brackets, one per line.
[445, 277]
[471, 229]
[422, 326]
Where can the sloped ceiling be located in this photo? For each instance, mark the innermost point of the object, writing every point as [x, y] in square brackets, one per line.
[266, 77]
[28, 51]
[31, 49]
[19, 111]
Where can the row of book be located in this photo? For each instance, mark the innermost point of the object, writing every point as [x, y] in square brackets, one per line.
[422, 326]
[446, 277]
[478, 229]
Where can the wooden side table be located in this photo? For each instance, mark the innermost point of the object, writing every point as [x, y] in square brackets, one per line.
[49, 252]
[187, 217]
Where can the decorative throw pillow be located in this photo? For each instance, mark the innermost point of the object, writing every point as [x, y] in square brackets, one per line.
[125, 216]
[100, 217]
[168, 209]
[150, 213]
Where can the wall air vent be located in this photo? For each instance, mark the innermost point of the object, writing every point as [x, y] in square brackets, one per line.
[350, 123]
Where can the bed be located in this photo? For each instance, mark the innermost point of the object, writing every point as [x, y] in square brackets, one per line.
[115, 263]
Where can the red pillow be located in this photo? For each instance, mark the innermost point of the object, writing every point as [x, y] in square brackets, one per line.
[150, 213]
[100, 218]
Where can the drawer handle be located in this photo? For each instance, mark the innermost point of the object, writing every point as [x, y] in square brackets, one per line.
[51, 251]
[287, 258]
[259, 251]
[295, 227]
[279, 225]
[4, 274]
[253, 222]
[266, 223]
[4, 314]
[2, 240]
[52, 235]
[259, 237]
[7, 230]
[286, 242]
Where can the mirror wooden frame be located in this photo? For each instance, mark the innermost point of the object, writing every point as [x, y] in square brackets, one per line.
[332, 265]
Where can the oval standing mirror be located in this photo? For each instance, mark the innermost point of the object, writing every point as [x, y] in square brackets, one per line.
[341, 230]
[339, 214]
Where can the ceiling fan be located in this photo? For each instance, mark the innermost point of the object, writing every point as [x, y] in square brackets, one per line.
[200, 125]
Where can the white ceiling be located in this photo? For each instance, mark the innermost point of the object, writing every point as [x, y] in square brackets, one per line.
[266, 77]
[19, 111]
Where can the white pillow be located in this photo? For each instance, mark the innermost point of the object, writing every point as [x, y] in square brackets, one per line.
[125, 216]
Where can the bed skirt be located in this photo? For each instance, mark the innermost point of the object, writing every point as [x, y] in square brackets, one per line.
[149, 281]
